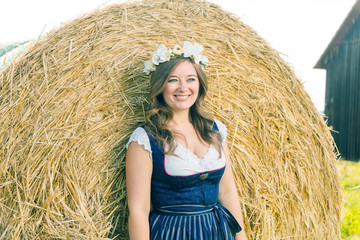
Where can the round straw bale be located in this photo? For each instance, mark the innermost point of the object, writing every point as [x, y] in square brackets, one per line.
[69, 104]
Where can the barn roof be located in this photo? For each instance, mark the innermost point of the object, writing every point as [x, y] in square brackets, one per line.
[11, 51]
[348, 22]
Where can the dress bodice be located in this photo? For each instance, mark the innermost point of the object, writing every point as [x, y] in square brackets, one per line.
[182, 178]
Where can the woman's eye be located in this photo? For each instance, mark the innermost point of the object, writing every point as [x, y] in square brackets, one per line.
[172, 80]
[191, 79]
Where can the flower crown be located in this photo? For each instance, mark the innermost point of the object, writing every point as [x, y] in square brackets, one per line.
[162, 54]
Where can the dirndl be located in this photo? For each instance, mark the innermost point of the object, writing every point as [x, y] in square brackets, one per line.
[192, 222]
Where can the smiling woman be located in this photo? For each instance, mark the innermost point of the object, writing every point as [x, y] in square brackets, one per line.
[184, 176]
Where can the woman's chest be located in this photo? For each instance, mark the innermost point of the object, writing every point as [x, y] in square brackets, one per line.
[192, 142]
[185, 163]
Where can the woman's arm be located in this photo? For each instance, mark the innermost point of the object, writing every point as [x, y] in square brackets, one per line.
[138, 184]
[228, 194]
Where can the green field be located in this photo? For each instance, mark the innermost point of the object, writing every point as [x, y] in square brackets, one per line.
[350, 177]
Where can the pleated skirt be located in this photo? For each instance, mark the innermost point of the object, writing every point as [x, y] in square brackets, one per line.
[195, 222]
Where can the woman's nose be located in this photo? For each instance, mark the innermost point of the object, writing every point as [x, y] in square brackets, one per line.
[182, 85]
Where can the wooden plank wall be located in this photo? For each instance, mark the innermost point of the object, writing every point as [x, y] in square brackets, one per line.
[342, 97]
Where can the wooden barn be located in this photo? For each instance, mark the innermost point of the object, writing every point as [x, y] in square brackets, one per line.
[341, 59]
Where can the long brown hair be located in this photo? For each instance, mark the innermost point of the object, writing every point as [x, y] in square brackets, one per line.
[159, 113]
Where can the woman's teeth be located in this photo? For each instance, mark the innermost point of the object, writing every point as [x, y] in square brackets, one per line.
[181, 96]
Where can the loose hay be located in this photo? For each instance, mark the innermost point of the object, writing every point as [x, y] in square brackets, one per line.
[69, 104]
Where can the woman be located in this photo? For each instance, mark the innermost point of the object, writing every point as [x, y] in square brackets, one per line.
[178, 171]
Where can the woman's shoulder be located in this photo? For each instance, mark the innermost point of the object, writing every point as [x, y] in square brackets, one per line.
[140, 136]
[139, 132]
[220, 125]
[222, 129]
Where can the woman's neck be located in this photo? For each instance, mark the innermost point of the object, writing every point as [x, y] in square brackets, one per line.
[180, 118]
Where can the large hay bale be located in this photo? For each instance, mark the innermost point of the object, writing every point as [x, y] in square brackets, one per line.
[69, 104]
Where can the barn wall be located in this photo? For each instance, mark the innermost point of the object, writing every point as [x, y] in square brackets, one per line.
[342, 96]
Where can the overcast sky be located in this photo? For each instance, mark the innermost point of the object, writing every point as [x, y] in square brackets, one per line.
[299, 29]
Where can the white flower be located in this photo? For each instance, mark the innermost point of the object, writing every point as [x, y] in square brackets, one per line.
[177, 50]
[204, 60]
[195, 51]
[198, 48]
[161, 55]
[149, 67]
[188, 49]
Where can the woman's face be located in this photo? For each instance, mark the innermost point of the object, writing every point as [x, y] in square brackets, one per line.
[182, 88]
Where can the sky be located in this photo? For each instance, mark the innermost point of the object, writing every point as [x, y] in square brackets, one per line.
[299, 29]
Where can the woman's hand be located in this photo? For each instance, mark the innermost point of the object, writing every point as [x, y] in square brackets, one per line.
[138, 185]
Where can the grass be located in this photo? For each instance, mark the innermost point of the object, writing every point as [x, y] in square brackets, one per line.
[350, 177]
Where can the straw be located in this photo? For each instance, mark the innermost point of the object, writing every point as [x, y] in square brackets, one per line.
[69, 104]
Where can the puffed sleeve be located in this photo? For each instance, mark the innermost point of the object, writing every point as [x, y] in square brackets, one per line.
[222, 129]
[140, 136]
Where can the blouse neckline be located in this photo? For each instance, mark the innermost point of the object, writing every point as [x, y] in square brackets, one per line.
[187, 151]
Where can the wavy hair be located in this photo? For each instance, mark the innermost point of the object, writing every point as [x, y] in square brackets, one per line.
[159, 113]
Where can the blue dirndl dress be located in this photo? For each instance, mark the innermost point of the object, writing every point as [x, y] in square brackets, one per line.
[186, 207]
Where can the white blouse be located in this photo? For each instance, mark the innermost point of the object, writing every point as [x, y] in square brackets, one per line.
[183, 162]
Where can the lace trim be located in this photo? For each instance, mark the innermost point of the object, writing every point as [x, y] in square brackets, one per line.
[140, 136]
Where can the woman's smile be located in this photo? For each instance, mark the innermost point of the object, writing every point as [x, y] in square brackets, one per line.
[182, 97]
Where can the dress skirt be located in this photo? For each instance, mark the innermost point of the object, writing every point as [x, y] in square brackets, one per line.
[195, 222]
